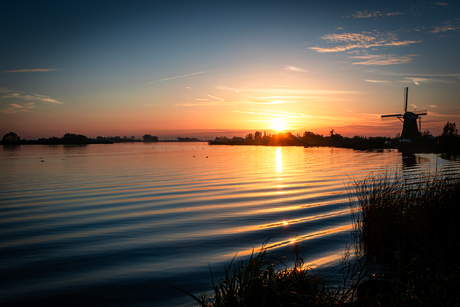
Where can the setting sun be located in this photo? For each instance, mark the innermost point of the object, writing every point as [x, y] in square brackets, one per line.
[278, 124]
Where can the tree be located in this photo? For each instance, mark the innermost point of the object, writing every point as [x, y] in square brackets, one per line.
[149, 138]
[11, 137]
[449, 130]
[72, 138]
[258, 136]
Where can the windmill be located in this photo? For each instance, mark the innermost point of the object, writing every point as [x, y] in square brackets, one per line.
[409, 120]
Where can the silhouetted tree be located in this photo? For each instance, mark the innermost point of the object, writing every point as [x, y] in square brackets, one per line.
[72, 138]
[149, 138]
[258, 136]
[11, 137]
[449, 130]
[249, 137]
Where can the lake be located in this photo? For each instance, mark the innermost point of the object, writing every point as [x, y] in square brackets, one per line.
[119, 224]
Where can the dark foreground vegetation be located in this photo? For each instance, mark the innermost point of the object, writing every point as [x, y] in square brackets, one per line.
[405, 253]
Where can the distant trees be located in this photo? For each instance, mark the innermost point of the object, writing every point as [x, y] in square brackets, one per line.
[72, 138]
[450, 130]
[11, 138]
[258, 136]
[149, 138]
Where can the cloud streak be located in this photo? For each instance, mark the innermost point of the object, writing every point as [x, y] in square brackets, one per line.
[364, 40]
[375, 15]
[273, 113]
[448, 25]
[216, 98]
[31, 70]
[181, 76]
[294, 68]
[382, 59]
[285, 92]
[27, 101]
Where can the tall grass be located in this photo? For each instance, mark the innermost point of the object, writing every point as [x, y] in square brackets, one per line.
[266, 281]
[411, 224]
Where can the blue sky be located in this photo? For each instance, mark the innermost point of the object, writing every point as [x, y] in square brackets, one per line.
[226, 68]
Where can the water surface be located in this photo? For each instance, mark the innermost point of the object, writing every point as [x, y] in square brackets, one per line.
[118, 224]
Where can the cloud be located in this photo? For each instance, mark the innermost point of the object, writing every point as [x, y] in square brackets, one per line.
[27, 101]
[182, 76]
[294, 68]
[417, 80]
[378, 81]
[442, 3]
[31, 70]
[273, 113]
[232, 103]
[382, 59]
[216, 98]
[448, 25]
[17, 108]
[285, 92]
[364, 40]
[376, 14]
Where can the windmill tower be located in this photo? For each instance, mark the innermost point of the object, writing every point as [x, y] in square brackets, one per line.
[409, 120]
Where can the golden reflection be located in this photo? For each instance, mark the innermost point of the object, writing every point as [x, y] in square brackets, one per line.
[279, 161]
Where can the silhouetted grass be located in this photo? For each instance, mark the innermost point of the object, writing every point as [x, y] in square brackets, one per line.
[410, 225]
[260, 282]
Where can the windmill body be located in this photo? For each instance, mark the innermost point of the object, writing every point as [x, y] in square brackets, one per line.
[409, 119]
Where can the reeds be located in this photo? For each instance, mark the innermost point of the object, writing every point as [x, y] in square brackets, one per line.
[260, 282]
[409, 224]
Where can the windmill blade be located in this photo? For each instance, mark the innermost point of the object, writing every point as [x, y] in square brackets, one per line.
[391, 115]
[406, 94]
[420, 112]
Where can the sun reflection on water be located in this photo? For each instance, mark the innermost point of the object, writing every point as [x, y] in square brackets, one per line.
[279, 161]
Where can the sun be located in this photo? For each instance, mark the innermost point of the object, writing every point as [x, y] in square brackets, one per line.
[278, 124]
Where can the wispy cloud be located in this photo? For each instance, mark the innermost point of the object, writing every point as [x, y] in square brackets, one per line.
[364, 40]
[378, 81]
[284, 92]
[448, 25]
[233, 103]
[382, 59]
[273, 113]
[17, 108]
[216, 98]
[181, 76]
[442, 3]
[376, 14]
[31, 70]
[417, 81]
[294, 68]
[26, 101]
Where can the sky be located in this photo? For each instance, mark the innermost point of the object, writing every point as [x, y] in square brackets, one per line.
[224, 68]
